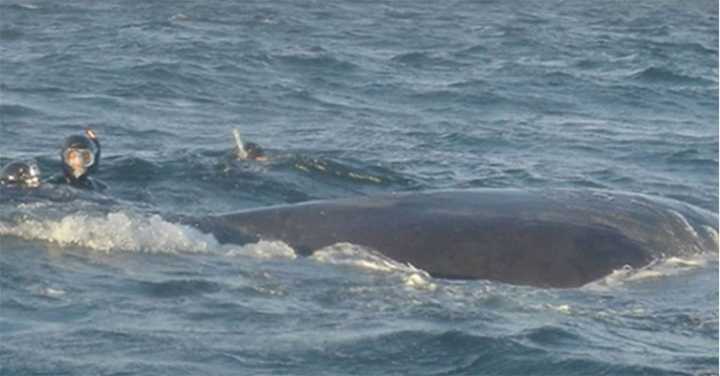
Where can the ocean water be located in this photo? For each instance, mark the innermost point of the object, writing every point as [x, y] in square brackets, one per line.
[348, 99]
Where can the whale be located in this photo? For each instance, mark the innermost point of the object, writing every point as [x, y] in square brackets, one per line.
[560, 238]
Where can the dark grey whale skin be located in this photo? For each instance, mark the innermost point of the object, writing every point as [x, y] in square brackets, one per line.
[544, 238]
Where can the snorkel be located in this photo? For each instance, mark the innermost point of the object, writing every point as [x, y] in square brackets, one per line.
[240, 151]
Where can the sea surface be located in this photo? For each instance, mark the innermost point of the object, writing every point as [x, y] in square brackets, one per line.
[348, 98]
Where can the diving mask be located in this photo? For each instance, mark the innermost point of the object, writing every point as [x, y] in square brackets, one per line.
[79, 160]
[25, 174]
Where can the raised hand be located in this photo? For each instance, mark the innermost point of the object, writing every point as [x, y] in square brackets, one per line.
[90, 134]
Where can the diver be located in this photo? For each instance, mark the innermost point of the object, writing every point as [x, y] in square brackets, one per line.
[249, 150]
[255, 152]
[20, 174]
[80, 156]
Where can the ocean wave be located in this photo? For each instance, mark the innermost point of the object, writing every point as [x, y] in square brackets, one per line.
[656, 75]
[263, 249]
[662, 268]
[21, 6]
[401, 13]
[315, 60]
[178, 287]
[419, 59]
[696, 48]
[554, 336]
[37, 88]
[9, 34]
[167, 72]
[117, 231]
[470, 84]
[123, 231]
[285, 177]
[347, 170]
[16, 110]
[477, 50]
[465, 353]
[693, 157]
[323, 101]
[355, 256]
[457, 99]
[132, 168]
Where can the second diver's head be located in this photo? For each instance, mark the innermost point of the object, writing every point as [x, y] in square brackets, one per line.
[78, 156]
[24, 174]
[255, 152]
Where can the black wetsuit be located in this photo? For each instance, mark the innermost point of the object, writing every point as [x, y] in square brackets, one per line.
[84, 181]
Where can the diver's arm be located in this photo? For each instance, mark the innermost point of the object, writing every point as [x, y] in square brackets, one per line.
[93, 137]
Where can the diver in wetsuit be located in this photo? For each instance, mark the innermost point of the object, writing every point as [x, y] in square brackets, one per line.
[255, 152]
[20, 174]
[247, 151]
[80, 157]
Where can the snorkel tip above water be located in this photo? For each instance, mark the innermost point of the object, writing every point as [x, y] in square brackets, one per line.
[240, 152]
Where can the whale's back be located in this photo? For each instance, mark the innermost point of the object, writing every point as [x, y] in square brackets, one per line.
[560, 238]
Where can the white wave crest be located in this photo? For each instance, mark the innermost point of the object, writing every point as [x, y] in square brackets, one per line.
[115, 231]
[659, 269]
[364, 258]
[28, 6]
[263, 250]
[49, 292]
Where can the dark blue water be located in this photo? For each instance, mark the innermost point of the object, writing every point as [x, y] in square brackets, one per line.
[349, 99]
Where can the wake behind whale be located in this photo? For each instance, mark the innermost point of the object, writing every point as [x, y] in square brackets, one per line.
[545, 238]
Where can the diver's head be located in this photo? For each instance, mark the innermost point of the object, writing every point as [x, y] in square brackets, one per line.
[254, 151]
[78, 155]
[20, 174]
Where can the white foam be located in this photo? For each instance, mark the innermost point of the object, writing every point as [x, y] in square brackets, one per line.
[263, 250]
[115, 231]
[419, 281]
[659, 269]
[33, 205]
[364, 258]
[49, 292]
[689, 262]
[561, 308]
[644, 274]
[357, 256]
[28, 6]
[180, 17]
